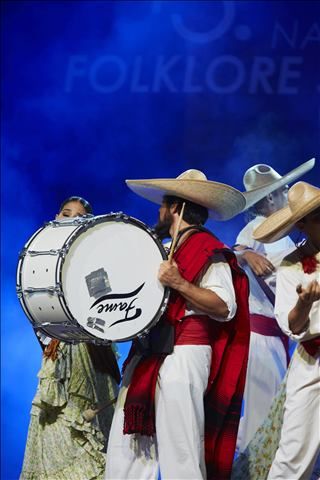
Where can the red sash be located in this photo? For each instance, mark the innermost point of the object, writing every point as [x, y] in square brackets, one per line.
[312, 346]
[193, 330]
[269, 327]
[230, 345]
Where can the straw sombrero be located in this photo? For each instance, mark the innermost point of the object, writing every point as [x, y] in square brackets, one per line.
[261, 179]
[303, 198]
[222, 201]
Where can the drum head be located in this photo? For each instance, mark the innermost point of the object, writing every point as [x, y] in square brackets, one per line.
[109, 278]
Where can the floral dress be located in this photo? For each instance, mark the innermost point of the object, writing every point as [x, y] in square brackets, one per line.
[255, 462]
[61, 444]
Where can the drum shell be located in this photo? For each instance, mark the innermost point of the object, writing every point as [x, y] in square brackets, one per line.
[42, 269]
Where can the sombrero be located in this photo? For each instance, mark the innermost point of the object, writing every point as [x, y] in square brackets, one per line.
[303, 198]
[222, 201]
[261, 179]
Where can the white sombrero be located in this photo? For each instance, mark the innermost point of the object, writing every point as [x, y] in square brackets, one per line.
[303, 198]
[261, 179]
[222, 201]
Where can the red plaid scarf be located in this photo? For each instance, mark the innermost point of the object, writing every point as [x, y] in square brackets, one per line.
[230, 344]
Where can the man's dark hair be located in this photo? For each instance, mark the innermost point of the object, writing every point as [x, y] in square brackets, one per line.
[193, 214]
[86, 205]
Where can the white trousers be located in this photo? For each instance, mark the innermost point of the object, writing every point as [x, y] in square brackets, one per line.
[178, 446]
[267, 365]
[300, 435]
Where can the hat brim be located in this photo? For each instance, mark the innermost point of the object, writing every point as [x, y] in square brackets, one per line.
[222, 201]
[257, 194]
[279, 224]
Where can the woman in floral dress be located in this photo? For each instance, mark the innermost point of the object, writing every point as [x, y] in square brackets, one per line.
[61, 444]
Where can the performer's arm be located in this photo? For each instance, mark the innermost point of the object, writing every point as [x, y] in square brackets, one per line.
[257, 262]
[203, 299]
[298, 317]
[251, 252]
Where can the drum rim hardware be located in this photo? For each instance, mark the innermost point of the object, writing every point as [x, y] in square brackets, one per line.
[81, 225]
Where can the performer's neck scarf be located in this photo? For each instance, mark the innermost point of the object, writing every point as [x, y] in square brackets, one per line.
[230, 345]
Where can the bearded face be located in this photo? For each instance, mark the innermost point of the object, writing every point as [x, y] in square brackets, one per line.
[165, 220]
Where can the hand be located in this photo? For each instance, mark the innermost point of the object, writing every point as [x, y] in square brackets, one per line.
[169, 275]
[309, 294]
[259, 264]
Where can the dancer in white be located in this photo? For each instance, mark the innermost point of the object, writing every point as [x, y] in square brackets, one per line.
[266, 192]
[297, 310]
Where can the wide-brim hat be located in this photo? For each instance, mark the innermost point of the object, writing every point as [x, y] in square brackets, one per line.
[303, 198]
[261, 179]
[222, 201]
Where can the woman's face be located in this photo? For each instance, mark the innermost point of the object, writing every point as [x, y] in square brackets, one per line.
[72, 209]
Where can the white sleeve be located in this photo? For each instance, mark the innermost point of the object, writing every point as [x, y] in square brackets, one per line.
[245, 236]
[288, 278]
[218, 279]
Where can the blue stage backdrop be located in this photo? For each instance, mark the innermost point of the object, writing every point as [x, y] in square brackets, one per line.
[96, 92]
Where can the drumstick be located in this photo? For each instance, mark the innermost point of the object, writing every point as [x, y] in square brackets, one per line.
[90, 413]
[175, 236]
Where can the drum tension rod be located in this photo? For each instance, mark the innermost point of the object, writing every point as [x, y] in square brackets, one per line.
[33, 290]
[34, 253]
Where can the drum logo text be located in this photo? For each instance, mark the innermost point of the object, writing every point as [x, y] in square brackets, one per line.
[119, 302]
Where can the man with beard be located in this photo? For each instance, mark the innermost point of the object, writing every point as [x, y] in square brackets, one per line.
[179, 404]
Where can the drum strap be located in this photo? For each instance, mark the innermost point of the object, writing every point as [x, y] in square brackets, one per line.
[104, 360]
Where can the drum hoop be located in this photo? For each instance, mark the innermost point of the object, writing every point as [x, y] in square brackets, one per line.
[114, 217]
[83, 226]
[126, 219]
[91, 339]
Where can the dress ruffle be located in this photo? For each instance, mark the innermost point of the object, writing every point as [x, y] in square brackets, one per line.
[61, 445]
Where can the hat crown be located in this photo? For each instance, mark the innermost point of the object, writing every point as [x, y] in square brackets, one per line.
[301, 194]
[259, 175]
[192, 174]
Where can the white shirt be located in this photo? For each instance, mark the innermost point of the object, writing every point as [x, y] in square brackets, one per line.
[258, 301]
[218, 279]
[290, 274]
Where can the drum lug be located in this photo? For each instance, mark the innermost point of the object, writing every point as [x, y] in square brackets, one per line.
[73, 221]
[32, 290]
[120, 216]
[63, 251]
[34, 253]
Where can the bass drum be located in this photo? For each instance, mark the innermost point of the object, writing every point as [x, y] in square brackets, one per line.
[92, 279]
